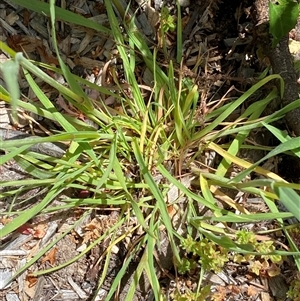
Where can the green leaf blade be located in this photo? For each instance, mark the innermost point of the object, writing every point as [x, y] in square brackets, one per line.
[283, 18]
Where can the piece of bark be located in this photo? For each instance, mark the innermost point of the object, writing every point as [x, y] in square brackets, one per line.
[56, 150]
[282, 64]
[281, 61]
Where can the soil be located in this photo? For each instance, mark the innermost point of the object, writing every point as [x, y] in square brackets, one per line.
[211, 29]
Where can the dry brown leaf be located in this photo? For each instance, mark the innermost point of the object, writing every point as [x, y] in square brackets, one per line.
[48, 58]
[31, 280]
[252, 291]
[88, 63]
[69, 108]
[30, 287]
[273, 270]
[51, 256]
[26, 16]
[220, 295]
[39, 231]
[25, 44]
[93, 231]
[234, 289]
[5, 220]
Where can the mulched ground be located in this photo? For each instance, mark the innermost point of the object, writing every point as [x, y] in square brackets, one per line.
[220, 54]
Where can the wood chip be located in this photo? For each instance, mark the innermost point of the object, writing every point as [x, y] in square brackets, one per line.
[12, 297]
[86, 41]
[77, 289]
[5, 275]
[7, 27]
[13, 253]
[11, 18]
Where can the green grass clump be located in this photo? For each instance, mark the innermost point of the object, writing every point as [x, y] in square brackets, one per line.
[160, 135]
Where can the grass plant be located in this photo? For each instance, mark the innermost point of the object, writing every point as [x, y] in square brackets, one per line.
[147, 134]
